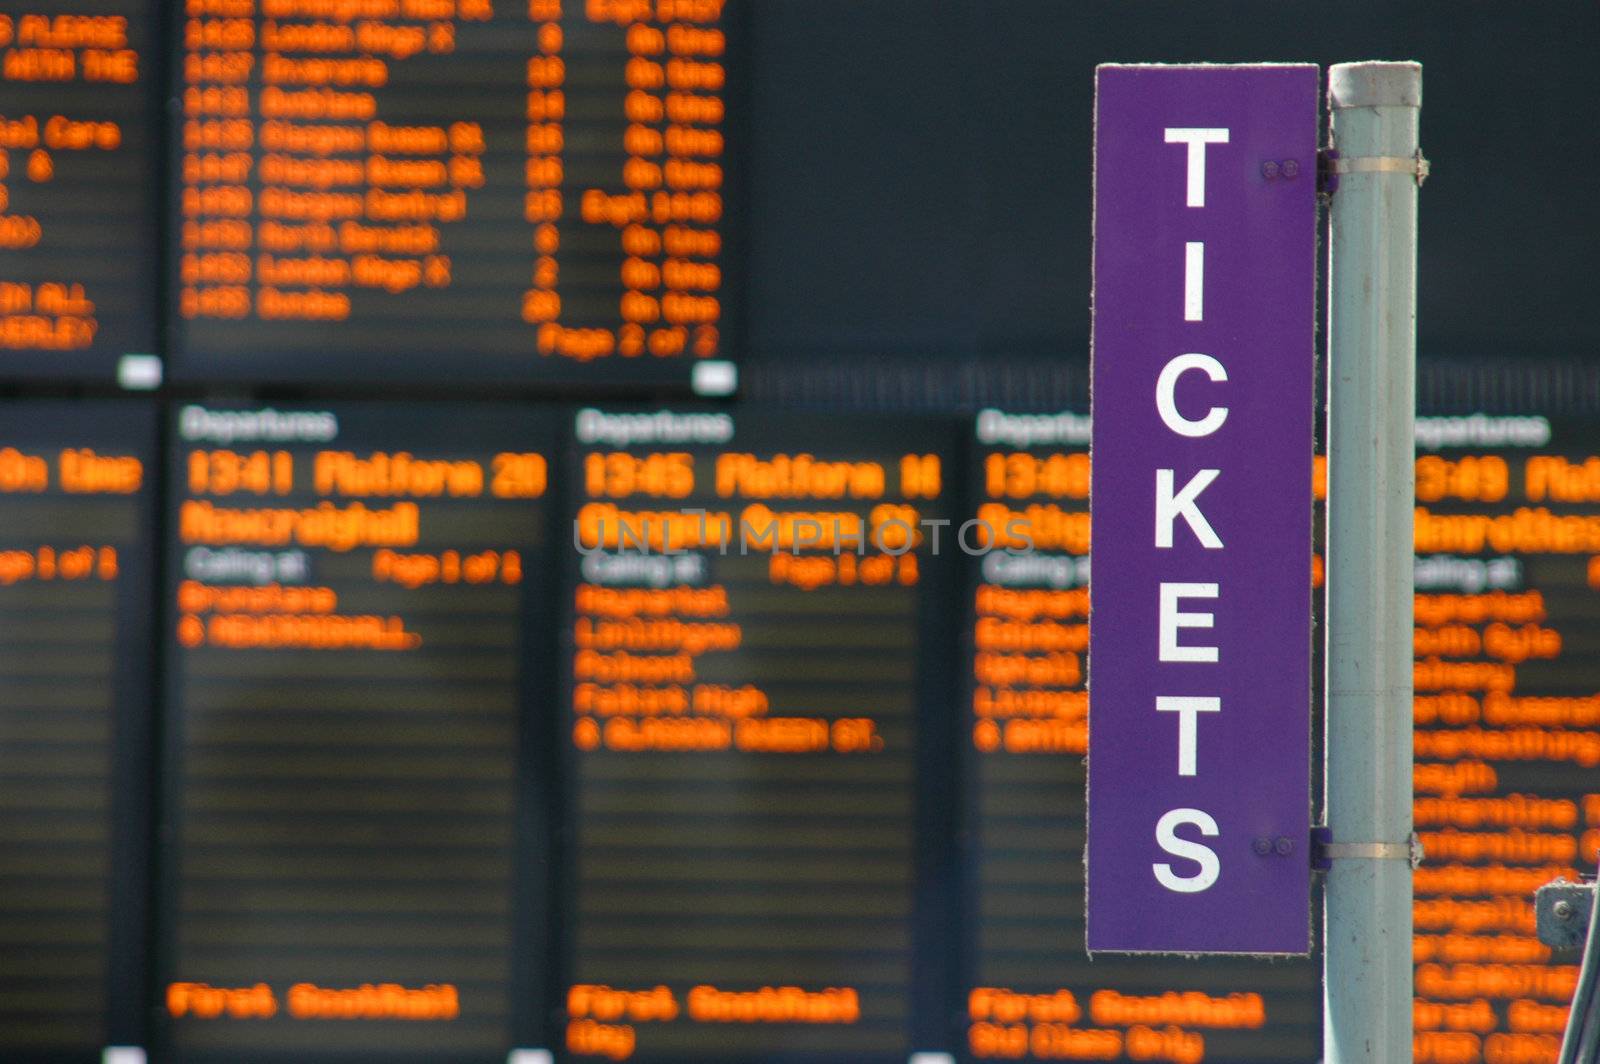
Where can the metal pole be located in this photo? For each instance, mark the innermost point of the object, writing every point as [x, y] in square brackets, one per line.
[1372, 303]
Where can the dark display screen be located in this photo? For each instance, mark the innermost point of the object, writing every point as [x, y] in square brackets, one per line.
[791, 787]
[77, 232]
[1035, 995]
[75, 551]
[469, 190]
[1507, 723]
[354, 603]
[744, 724]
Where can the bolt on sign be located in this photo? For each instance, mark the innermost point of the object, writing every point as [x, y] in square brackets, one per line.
[1200, 625]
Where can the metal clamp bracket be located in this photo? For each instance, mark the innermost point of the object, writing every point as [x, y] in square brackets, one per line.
[1324, 851]
[1330, 164]
[1562, 911]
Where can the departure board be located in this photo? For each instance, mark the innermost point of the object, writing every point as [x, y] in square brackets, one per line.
[75, 565]
[1034, 994]
[1507, 714]
[354, 608]
[473, 190]
[77, 229]
[742, 727]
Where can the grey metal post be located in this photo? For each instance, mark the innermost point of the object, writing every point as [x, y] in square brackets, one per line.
[1372, 256]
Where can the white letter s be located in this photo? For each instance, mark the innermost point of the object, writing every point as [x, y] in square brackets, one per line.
[1204, 856]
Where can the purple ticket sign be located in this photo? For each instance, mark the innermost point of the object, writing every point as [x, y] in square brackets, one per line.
[1200, 630]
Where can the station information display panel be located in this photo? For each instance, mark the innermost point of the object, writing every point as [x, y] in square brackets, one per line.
[354, 598]
[1034, 993]
[75, 570]
[742, 727]
[1507, 714]
[77, 229]
[478, 190]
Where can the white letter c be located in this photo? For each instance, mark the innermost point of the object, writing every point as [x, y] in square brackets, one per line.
[1167, 383]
